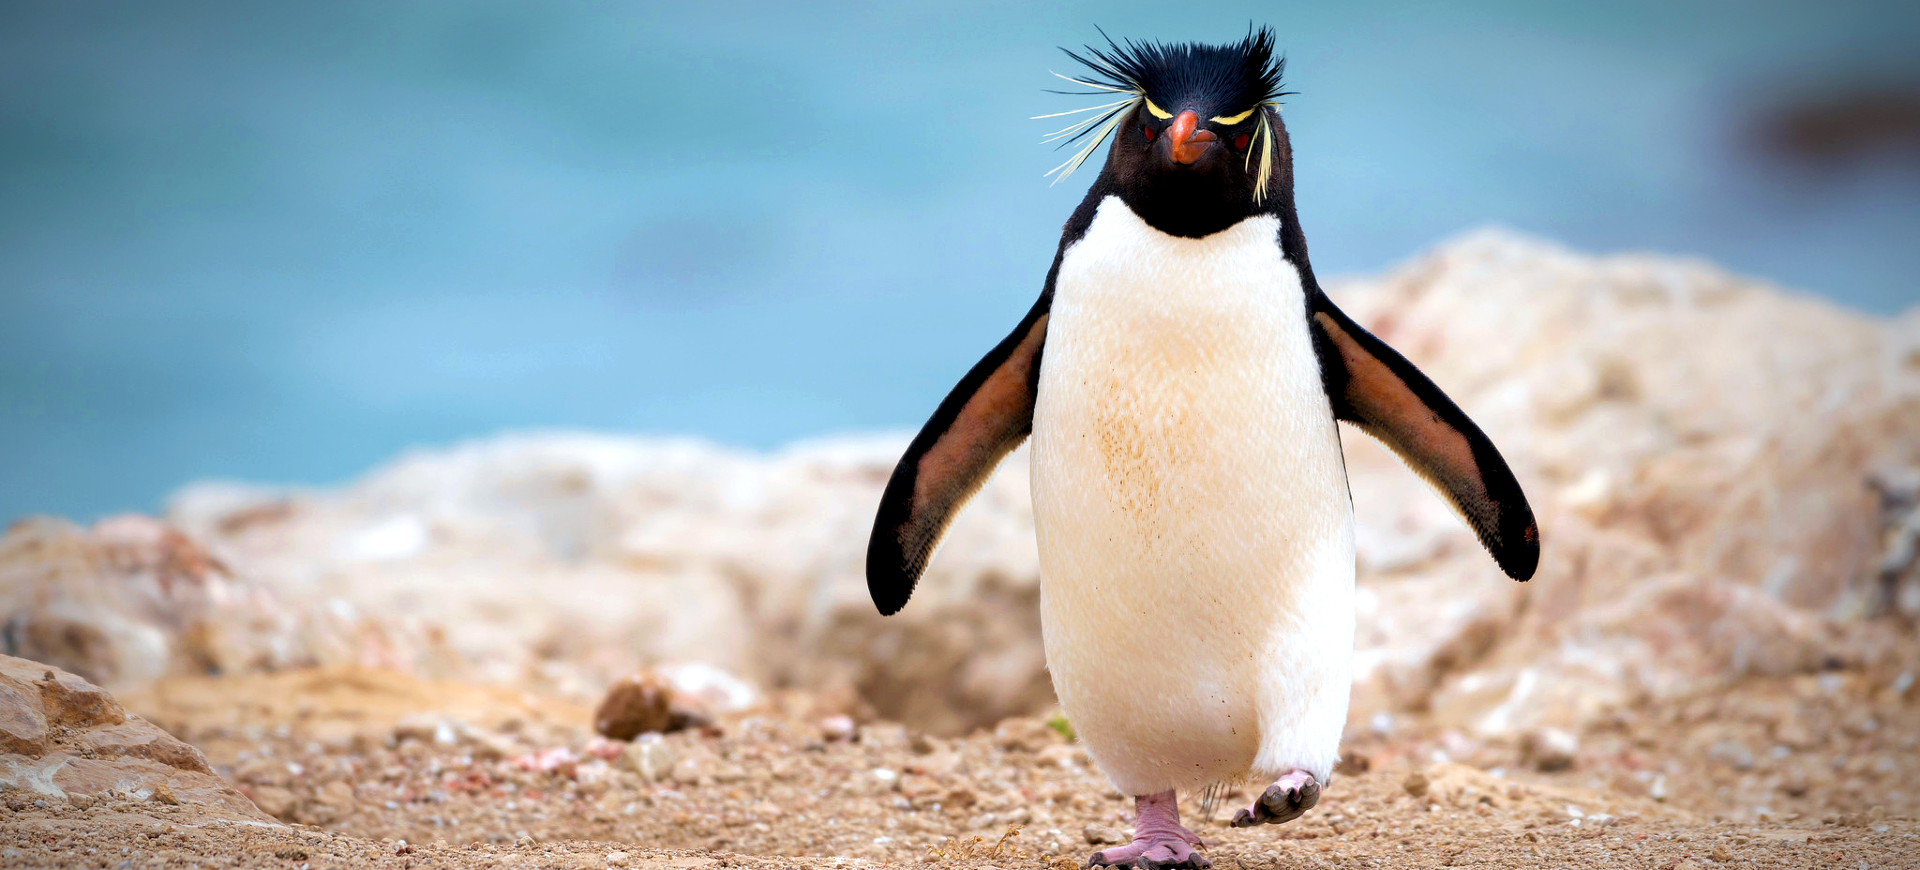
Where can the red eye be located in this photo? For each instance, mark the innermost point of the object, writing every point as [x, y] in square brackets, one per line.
[1242, 141]
[1147, 132]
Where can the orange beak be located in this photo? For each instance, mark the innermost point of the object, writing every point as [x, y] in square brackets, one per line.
[1185, 143]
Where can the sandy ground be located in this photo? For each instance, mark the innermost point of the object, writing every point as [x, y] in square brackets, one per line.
[374, 769]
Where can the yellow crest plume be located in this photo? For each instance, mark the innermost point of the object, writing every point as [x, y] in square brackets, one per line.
[1264, 137]
[1100, 121]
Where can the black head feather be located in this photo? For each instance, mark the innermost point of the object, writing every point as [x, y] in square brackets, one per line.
[1224, 79]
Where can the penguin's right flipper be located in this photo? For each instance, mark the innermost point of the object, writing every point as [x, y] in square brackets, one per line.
[1374, 387]
[987, 415]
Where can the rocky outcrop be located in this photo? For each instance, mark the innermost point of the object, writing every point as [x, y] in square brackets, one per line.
[64, 738]
[1721, 470]
[1705, 454]
[131, 599]
[590, 556]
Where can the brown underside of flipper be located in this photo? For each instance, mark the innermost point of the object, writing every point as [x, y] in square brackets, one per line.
[987, 415]
[1375, 388]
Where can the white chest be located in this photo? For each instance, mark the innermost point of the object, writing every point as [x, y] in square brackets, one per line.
[1189, 494]
[1179, 390]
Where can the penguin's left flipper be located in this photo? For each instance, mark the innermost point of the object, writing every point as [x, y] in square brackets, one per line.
[1375, 388]
[987, 415]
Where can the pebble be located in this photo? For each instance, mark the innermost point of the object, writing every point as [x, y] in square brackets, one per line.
[633, 706]
[1548, 749]
[837, 727]
[1099, 834]
[649, 756]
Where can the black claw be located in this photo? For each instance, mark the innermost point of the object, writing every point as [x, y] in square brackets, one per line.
[1279, 805]
[1191, 862]
[1195, 861]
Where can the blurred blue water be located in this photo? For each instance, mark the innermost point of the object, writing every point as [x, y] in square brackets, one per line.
[283, 241]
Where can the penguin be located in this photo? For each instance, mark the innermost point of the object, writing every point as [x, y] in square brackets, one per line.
[1181, 377]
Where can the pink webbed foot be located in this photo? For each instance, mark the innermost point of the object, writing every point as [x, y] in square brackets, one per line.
[1159, 841]
[1284, 801]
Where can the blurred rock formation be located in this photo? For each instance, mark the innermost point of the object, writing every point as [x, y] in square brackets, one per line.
[1726, 474]
[132, 598]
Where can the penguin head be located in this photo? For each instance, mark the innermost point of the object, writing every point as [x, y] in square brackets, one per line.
[1198, 143]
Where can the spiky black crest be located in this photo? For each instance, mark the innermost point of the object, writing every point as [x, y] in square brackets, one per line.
[1228, 79]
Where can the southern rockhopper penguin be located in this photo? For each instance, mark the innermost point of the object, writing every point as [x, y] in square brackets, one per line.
[1181, 375]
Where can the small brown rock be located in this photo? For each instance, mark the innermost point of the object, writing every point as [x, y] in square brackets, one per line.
[163, 794]
[634, 706]
[1548, 749]
[1416, 783]
[1352, 763]
[1099, 834]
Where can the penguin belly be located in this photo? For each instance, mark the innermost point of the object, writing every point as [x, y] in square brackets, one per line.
[1191, 505]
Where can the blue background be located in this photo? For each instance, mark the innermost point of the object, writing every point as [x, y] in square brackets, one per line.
[282, 242]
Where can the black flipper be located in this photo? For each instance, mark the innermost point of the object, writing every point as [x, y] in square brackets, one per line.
[987, 415]
[1375, 388]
